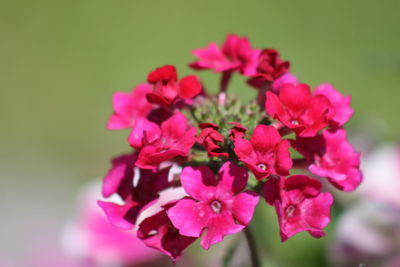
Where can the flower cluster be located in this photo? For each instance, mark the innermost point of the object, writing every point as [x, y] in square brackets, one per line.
[209, 145]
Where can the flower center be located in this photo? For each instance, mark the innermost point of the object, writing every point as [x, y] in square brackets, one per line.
[262, 166]
[295, 122]
[152, 232]
[290, 211]
[216, 206]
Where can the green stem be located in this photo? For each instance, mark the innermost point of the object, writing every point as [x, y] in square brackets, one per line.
[255, 259]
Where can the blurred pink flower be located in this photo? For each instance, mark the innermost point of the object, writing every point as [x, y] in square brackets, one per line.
[382, 174]
[236, 54]
[90, 236]
[286, 78]
[369, 229]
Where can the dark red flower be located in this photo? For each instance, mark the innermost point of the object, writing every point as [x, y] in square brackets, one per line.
[237, 131]
[269, 68]
[211, 139]
[158, 232]
[120, 179]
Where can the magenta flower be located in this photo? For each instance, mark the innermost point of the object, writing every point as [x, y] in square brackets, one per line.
[158, 232]
[211, 139]
[144, 132]
[167, 89]
[265, 153]
[119, 180]
[333, 157]
[174, 138]
[235, 54]
[299, 204]
[340, 103]
[286, 78]
[215, 208]
[340, 162]
[128, 107]
[298, 110]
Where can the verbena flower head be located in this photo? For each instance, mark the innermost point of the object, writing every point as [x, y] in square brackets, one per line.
[226, 153]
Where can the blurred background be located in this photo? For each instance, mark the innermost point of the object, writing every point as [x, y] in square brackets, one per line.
[60, 62]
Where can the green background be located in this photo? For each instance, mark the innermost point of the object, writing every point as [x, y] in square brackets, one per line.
[60, 62]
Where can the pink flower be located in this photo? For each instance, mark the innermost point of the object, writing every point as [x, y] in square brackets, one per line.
[299, 204]
[265, 153]
[297, 109]
[340, 103]
[237, 131]
[158, 232]
[235, 54]
[332, 156]
[167, 89]
[211, 139]
[174, 138]
[383, 162]
[269, 68]
[286, 78]
[215, 207]
[91, 237]
[119, 180]
[128, 107]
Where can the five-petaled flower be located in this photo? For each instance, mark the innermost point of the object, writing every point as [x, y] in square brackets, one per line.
[299, 204]
[333, 157]
[157, 144]
[265, 153]
[128, 107]
[299, 110]
[215, 208]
